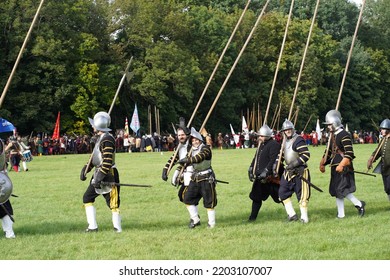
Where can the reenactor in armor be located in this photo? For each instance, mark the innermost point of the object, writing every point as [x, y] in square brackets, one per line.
[383, 152]
[6, 187]
[178, 176]
[202, 182]
[105, 177]
[296, 175]
[15, 153]
[339, 157]
[260, 171]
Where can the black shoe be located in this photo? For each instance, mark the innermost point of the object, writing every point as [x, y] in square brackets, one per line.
[251, 219]
[293, 218]
[88, 230]
[192, 224]
[361, 210]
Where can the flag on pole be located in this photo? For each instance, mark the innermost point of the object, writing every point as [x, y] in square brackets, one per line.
[236, 137]
[135, 125]
[56, 133]
[244, 125]
[6, 126]
[318, 130]
[126, 126]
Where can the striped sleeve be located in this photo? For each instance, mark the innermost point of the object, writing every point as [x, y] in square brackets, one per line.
[204, 154]
[302, 149]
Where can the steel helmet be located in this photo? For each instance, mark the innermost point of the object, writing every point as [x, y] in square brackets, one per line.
[333, 117]
[287, 125]
[101, 121]
[265, 131]
[196, 134]
[385, 124]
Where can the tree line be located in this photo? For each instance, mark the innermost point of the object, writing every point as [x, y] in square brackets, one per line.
[78, 50]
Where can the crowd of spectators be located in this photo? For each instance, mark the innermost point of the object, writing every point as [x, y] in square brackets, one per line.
[43, 145]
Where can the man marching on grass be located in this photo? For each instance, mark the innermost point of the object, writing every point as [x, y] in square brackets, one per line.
[340, 156]
[103, 159]
[296, 175]
[383, 152]
[184, 147]
[260, 171]
[202, 182]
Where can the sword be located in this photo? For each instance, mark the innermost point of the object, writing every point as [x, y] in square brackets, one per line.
[126, 185]
[363, 173]
[6, 212]
[347, 169]
[220, 181]
[309, 183]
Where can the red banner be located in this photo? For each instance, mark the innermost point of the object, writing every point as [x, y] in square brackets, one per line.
[56, 133]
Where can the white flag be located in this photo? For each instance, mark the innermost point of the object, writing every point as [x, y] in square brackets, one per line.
[244, 125]
[318, 130]
[235, 136]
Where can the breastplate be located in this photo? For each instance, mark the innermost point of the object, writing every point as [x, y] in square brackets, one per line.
[204, 165]
[97, 157]
[183, 151]
[289, 154]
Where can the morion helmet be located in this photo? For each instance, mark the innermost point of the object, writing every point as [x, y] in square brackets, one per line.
[333, 117]
[385, 124]
[101, 121]
[265, 131]
[287, 125]
[196, 134]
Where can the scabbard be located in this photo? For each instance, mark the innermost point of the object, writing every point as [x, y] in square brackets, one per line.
[127, 185]
[220, 181]
[364, 173]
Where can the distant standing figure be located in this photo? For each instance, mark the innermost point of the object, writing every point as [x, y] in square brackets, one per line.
[382, 152]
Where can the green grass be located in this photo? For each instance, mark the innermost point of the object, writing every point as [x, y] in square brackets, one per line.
[50, 218]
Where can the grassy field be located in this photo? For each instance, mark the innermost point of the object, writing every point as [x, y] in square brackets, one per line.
[50, 218]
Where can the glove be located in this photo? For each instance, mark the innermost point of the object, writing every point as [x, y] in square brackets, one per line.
[250, 174]
[292, 165]
[274, 166]
[322, 165]
[175, 180]
[263, 174]
[184, 160]
[344, 163]
[82, 173]
[369, 162]
[164, 175]
[97, 178]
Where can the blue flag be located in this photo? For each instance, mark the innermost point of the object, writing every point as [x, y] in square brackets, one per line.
[134, 125]
[6, 126]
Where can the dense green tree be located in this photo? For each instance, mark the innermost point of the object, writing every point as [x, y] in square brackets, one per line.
[78, 50]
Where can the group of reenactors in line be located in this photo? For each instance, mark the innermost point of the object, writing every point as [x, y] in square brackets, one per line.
[278, 170]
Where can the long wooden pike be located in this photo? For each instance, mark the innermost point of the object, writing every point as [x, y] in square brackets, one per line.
[307, 123]
[20, 54]
[230, 72]
[279, 60]
[125, 74]
[377, 150]
[234, 65]
[298, 80]
[346, 69]
[210, 79]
